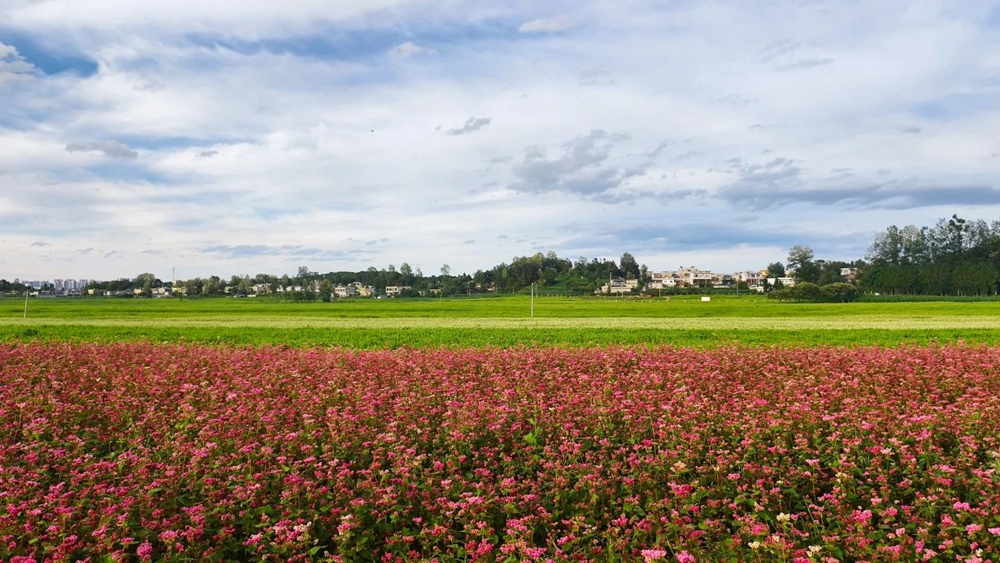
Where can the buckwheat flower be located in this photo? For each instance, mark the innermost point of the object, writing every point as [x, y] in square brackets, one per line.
[145, 551]
[814, 549]
[535, 551]
[994, 531]
[754, 545]
[685, 557]
[652, 554]
[782, 517]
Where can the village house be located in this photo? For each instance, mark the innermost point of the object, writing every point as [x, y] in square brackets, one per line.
[395, 290]
[343, 291]
[620, 286]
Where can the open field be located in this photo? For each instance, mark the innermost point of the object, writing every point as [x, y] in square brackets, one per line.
[485, 307]
[501, 321]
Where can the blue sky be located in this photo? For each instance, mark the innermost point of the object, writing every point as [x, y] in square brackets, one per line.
[256, 136]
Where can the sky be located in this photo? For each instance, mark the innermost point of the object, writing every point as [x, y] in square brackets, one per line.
[253, 136]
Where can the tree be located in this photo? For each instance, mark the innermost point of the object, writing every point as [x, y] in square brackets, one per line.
[629, 266]
[799, 256]
[405, 270]
[244, 285]
[776, 270]
[445, 270]
[325, 290]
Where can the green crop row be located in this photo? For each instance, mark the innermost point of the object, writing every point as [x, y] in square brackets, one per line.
[388, 337]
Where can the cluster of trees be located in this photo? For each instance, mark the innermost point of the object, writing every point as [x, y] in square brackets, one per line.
[12, 287]
[144, 282]
[551, 271]
[547, 270]
[805, 267]
[837, 292]
[954, 257]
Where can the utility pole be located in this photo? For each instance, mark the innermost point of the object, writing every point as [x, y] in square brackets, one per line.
[532, 299]
[26, 291]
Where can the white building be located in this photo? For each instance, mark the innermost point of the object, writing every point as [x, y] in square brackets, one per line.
[345, 291]
[752, 278]
[395, 290]
[664, 280]
[620, 286]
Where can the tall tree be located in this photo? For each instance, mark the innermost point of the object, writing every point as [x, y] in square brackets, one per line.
[629, 266]
[798, 256]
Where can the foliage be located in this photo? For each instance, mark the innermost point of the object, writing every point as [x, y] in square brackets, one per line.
[955, 257]
[804, 291]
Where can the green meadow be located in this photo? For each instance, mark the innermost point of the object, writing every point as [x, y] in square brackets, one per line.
[501, 321]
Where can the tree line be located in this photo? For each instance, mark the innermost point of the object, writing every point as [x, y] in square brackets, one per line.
[953, 257]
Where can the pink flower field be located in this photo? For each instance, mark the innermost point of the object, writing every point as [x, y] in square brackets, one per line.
[141, 452]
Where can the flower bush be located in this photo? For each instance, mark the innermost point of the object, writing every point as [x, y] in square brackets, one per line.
[152, 453]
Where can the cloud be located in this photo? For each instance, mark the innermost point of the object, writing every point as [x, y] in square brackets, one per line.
[578, 170]
[547, 25]
[409, 49]
[680, 236]
[804, 63]
[595, 77]
[13, 67]
[291, 251]
[784, 55]
[39, 243]
[472, 125]
[736, 100]
[110, 149]
[289, 93]
[781, 182]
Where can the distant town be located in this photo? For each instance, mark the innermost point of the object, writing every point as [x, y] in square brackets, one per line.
[320, 287]
[954, 257]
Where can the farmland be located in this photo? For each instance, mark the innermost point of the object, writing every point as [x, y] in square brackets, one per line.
[598, 430]
[501, 321]
[149, 452]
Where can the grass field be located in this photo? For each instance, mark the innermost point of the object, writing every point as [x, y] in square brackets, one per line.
[500, 321]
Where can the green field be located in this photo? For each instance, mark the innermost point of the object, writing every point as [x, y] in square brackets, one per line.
[501, 321]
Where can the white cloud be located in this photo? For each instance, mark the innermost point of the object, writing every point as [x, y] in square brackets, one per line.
[408, 49]
[110, 149]
[13, 67]
[547, 25]
[472, 125]
[279, 144]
